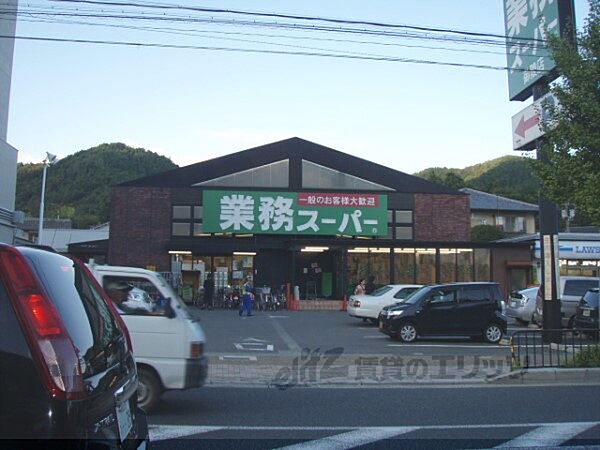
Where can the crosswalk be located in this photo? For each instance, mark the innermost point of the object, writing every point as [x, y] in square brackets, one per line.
[514, 435]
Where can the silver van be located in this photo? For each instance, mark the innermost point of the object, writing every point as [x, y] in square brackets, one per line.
[571, 289]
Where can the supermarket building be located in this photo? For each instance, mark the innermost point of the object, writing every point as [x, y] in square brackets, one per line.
[298, 212]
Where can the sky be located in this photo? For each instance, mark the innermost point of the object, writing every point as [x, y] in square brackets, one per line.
[191, 105]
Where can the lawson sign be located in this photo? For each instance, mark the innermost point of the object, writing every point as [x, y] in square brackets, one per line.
[575, 250]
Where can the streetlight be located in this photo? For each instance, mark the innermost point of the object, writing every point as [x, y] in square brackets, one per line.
[48, 161]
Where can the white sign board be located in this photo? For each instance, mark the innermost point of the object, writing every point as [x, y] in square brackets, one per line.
[585, 250]
[527, 124]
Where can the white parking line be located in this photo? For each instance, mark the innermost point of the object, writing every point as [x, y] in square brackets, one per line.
[548, 435]
[449, 346]
[351, 439]
[375, 337]
[163, 432]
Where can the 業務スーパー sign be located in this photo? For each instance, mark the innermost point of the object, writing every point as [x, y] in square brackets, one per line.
[527, 23]
[317, 213]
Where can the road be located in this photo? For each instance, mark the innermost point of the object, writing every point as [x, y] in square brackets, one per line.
[248, 404]
[416, 417]
[301, 348]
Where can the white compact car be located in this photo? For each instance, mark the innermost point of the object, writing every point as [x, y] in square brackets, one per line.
[368, 306]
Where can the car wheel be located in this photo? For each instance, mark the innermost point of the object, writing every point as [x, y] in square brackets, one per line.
[374, 321]
[364, 320]
[407, 332]
[492, 333]
[149, 390]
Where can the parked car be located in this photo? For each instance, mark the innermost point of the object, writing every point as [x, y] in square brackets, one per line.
[571, 289]
[459, 309]
[586, 317]
[368, 306]
[168, 343]
[69, 378]
[521, 305]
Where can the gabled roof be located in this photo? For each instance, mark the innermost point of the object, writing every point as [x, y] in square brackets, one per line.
[293, 149]
[492, 202]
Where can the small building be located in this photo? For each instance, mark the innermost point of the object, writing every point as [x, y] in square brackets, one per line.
[578, 253]
[514, 217]
[298, 212]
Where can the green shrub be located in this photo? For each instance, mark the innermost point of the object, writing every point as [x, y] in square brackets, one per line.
[588, 357]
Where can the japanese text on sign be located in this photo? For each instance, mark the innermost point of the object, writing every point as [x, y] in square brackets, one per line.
[292, 213]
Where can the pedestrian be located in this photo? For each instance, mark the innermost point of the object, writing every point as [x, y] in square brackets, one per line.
[370, 287]
[360, 287]
[247, 297]
[209, 291]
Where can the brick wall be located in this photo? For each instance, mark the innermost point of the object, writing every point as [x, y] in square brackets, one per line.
[442, 217]
[140, 227]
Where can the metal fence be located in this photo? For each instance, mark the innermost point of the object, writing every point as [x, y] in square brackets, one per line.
[550, 348]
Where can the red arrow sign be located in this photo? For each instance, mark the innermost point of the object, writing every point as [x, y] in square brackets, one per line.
[525, 125]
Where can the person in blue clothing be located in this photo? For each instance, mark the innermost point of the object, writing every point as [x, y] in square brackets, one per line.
[247, 297]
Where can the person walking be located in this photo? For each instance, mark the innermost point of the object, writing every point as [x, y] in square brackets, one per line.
[247, 297]
[209, 291]
[360, 287]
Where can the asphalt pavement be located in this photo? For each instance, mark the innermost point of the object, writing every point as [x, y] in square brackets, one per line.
[415, 417]
[329, 348]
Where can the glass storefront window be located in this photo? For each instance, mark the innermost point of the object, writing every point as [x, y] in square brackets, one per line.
[182, 212]
[181, 229]
[364, 262]
[482, 264]
[315, 176]
[404, 217]
[464, 265]
[425, 265]
[198, 212]
[405, 233]
[404, 265]
[447, 265]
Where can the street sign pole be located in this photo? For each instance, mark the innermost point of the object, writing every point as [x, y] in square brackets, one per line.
[548, 247]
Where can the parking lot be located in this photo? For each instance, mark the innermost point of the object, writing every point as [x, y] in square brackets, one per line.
[329, 347]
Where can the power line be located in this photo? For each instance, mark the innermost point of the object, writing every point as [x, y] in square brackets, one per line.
[295, 27]
[193, 32]
[295, 17]
[274, 52]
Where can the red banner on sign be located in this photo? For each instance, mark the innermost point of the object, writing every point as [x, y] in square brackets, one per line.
[338, 200]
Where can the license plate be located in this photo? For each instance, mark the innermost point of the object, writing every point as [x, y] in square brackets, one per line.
[124, 419]
[586, 312]
[381, 324]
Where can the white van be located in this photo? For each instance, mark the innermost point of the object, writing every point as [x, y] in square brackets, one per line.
[571, 289]
[168, 344]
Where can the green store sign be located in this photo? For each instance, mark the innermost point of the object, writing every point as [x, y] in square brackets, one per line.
[305, 213]
[527, 23]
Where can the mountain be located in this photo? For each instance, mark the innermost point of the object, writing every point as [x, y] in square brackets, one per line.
[78, 186]
[509, 176]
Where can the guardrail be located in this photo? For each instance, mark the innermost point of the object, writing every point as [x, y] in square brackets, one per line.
[549, 348]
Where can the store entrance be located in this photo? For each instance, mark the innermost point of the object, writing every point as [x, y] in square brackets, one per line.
[314, 274]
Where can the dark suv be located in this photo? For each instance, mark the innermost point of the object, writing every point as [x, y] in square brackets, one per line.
[586, 318]
[68, 375]
[460, 309]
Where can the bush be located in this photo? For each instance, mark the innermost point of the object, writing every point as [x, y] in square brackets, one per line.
[486, 233]
[588, 357]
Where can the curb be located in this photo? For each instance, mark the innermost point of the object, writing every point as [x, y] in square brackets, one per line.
[548, 375]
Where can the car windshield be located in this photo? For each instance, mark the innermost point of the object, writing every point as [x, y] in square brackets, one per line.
[380, 291]
[416, 296]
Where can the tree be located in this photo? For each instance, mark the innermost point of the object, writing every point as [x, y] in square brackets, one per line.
[454, 181]
[486, 233]
[571, 172]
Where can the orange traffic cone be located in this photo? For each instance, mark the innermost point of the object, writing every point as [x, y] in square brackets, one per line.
[344, 304]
